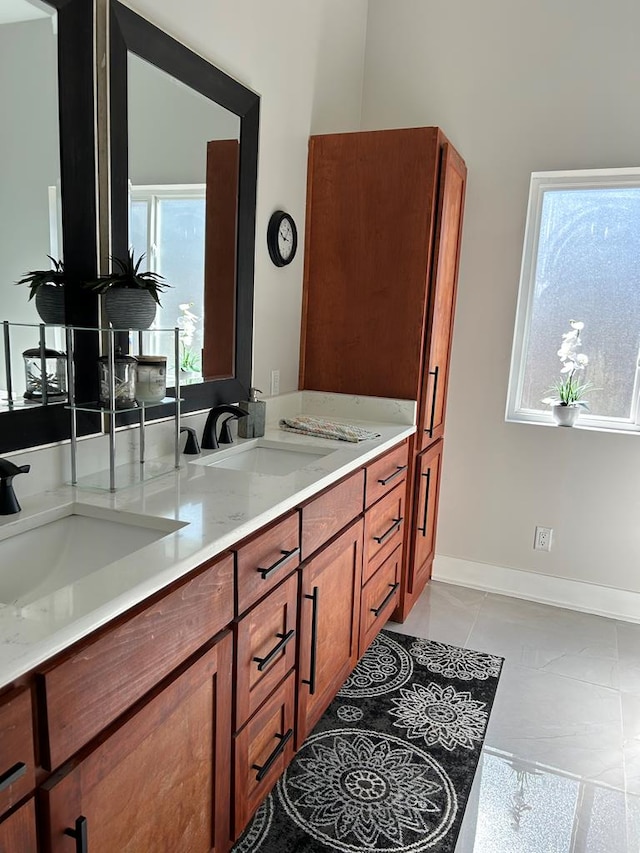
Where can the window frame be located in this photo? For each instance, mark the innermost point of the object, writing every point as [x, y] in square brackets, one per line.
[541, 182]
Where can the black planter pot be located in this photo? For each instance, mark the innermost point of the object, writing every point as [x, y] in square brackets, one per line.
[50, 304]
[129, 308]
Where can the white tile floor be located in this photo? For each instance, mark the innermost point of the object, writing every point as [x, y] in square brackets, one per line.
[560, 769]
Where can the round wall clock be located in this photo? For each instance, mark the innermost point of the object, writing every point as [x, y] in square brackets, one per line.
[282, 238]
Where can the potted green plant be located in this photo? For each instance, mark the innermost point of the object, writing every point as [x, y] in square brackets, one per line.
[567, 398]
[131, 296]
[47, 287]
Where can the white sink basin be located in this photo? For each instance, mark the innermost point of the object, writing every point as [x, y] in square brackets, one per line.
[43, 559]
[263, 456]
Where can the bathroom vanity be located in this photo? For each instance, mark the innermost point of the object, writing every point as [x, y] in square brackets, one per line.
[153, 703]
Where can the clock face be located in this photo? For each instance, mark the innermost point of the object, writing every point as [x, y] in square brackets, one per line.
[285, 239]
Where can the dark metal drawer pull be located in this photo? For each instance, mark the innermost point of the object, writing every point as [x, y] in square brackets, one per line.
[80, 834]
[396, 473]
[311, 681]
[426, 474]
[264, 662]
[387, 599]
[12, 775]
[396, 524]
[433, 373]
[279, 563]
[264, 769]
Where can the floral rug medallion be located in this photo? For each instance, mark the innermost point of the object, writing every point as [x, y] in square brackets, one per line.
[389, 766]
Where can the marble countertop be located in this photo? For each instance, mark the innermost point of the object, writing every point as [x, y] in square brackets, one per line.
[215, 507]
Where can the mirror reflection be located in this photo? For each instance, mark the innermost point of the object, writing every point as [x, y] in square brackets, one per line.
[183, 151]
[29, 180]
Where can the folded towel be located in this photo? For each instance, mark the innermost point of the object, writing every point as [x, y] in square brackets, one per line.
[322, 428]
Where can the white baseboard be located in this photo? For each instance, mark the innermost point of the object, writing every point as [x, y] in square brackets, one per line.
[560, 592]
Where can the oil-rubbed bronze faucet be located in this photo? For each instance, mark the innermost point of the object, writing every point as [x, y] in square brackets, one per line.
[8, 501]
[210, 440]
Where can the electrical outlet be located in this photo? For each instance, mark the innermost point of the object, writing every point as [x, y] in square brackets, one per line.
[542, 540]
[275, 383]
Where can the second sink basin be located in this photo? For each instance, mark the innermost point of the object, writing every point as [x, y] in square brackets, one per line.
[262, 456]
[57, 552]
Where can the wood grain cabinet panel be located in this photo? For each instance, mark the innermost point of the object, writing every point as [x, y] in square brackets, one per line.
[386, 472]
[326, 514]
[423, 532]
[384, 525]
[161, 781]
[18, 831]
[17, 760]
[379, 598]
[263, 750]
[329, 624]
[265, 559]
[103, 677]
[265, 648]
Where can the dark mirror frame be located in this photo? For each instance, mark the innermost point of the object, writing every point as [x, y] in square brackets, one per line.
[128, 32]
[24, 428]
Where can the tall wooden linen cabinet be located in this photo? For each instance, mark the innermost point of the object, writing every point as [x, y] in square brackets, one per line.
[382, 245]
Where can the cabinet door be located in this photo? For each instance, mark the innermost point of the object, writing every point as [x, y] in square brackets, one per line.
[329, 624]
[443, 295]
[18, 831]
[427, 484]
[161, 781]
[17, 761]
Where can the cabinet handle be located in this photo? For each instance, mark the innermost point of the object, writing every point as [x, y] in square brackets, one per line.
[396, 473]
[433, 373]
[80, 834]
[396, 524]
[264, 769]
[387, 599]
[311, 681]
[279, 563]
[264, 662]
[426, 474]
[12, 775]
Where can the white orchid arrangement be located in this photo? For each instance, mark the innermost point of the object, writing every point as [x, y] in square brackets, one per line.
[188, 324]
[569, 391]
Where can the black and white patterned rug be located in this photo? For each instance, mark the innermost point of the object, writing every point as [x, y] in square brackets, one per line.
[389, 766]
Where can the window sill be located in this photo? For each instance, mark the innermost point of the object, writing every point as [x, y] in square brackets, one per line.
[588, 427]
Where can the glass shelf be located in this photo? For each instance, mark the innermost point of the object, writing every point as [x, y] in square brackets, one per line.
[97, 407]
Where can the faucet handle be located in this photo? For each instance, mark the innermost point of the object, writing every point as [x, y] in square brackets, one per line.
[191, 445]
[225, 436]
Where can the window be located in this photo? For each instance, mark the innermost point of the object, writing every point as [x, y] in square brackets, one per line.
[167, 223]
[581, 262]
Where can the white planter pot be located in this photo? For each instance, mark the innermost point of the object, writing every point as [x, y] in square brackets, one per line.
[565, 415]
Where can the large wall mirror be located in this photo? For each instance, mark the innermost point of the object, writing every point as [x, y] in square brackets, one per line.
[47, 198]
[184, 147]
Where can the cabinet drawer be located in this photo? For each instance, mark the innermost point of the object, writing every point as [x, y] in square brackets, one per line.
[18, 832]
[263, 560]
[265, 648]
[386, 473]
[263, 750]
[383, 529]
[17, 764]
[327, 514]
[379, 598]
[90, 688]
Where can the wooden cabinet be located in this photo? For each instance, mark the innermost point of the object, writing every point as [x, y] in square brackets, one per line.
[18, 830]
[161, 780]
[329, 624]
[382, 247]
[426, 510]
[17, 759]
[379, 598]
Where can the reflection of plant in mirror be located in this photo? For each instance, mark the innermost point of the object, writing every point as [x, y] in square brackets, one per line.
[126, 274]
[188, 323]
[38, 278]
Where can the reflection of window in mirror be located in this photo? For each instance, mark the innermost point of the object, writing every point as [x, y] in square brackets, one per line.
[167, 224]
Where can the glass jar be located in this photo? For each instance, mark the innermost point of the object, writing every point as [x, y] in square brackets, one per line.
[125, 381]
[151, 378]
[55, 374]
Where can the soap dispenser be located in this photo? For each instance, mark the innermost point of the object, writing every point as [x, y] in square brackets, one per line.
[253, 425]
